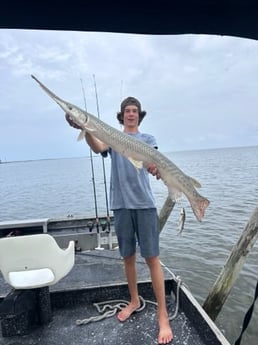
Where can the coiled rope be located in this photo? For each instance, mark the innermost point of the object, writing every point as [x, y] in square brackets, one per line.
[110, 308]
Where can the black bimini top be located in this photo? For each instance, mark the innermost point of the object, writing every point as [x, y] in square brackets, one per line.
[219, 17]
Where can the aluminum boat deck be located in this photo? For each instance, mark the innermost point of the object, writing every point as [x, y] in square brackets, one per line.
[98, 276]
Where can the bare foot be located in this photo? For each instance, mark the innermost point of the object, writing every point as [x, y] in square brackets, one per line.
[126, 312]
[165, 331]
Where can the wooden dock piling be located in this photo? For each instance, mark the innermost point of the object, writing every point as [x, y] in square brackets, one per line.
[165, 212]
[227, 277]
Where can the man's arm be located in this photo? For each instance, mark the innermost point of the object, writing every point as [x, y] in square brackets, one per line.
[95, 144]
[153, 170]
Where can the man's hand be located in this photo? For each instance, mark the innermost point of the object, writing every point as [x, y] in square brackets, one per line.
[153, 170]
[70, 121]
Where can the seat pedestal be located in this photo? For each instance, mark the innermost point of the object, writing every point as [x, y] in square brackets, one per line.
[23, 310]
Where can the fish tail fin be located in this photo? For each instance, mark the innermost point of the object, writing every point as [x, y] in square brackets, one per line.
[199, 206]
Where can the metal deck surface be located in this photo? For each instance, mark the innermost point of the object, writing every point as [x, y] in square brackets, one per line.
[98, 276]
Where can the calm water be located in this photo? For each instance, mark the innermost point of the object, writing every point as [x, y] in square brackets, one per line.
[229, 178]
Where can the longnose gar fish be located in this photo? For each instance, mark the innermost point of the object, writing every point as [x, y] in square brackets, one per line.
[138, 152]
[181, 222]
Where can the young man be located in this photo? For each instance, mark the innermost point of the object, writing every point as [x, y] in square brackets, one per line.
[135, 214]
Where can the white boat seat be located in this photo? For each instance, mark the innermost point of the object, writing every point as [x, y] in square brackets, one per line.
[34, 261]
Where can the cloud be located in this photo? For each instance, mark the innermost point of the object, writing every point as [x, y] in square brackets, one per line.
[199, 91]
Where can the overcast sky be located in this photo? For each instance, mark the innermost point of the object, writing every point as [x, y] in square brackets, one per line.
[199, 91]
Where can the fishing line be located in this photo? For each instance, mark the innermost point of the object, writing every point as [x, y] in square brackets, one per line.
[92, 168]
[103, 166]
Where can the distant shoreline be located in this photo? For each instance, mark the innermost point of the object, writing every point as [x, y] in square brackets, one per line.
[96, 155]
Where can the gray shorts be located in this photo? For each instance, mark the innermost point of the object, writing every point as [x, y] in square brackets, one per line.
[139, 225]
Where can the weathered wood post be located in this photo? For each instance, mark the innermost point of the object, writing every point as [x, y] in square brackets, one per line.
[232, 268]
[165, 212]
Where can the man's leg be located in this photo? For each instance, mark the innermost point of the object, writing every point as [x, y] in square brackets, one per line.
[157, 277]
[131, 275]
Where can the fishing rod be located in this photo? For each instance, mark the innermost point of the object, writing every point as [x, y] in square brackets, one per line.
[93, 177]
[121, 90]
[104, 170]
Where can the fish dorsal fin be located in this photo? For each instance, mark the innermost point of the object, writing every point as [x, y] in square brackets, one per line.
[195, 182]
[137, 164]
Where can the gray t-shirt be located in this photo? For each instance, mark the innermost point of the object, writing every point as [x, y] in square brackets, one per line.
[129, 187]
